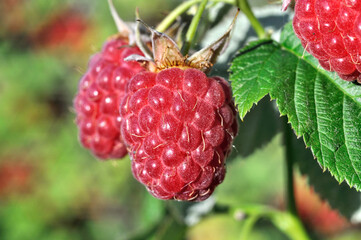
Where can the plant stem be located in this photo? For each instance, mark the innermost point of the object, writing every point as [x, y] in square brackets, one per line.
[284, 221]
[290, 192]
[174, 14]
[290, 196]
[167, 21]
[193, 27]
[290, 225]
[174, 212]
[245, 8]
[248, 225]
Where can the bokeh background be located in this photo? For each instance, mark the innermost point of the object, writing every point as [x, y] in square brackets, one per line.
[53, 189]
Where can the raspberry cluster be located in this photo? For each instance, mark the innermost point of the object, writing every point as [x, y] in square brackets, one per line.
[330, 30]
[100, 92]
[176, 123]
[179, 126]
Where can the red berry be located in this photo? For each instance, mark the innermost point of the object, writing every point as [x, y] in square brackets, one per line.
[355, 4]
[179, 125]
[306, 9]
[15, 176]
[330, 30]
[100, 92]
[66, 27]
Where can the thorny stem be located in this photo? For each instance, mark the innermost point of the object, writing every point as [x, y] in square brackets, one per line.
[245, 8]
[193, 27]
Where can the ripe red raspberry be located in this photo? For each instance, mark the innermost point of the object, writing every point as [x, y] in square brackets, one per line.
[330, 30]
[178, 123]
[101, 90]
[179, 126]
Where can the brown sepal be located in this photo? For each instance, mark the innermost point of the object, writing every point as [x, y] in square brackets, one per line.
[166, 53]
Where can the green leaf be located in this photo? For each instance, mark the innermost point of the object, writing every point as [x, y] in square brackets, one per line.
[321, 107]
[340, 196]
[249, 80]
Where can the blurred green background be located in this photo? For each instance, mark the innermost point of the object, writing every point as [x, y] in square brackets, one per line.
[52, 189]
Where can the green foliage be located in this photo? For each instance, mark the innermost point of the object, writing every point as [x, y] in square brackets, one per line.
[220, 226]
[322, 109]
[340, 196]
[244, 185]
[72, 195]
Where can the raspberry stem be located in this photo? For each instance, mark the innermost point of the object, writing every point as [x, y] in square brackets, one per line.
[284, 221]
[120, 24]
[165, 24]
[249, 223]
[290, 192]
[246, 9]
[193, 27]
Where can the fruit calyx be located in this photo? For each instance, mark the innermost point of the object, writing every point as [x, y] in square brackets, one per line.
[125, 31]
[285, 4]
[166, 53]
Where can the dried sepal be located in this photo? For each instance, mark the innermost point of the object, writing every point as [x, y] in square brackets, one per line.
[123, 29]
[146, 62]
[206, 57]
[166, 53]
[139, 37]
[285, 5]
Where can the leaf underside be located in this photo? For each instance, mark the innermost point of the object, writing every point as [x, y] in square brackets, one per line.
[322, 108]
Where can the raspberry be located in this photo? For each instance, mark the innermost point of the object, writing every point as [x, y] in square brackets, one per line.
[179, 125]
[100, 92]
[330, 30]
